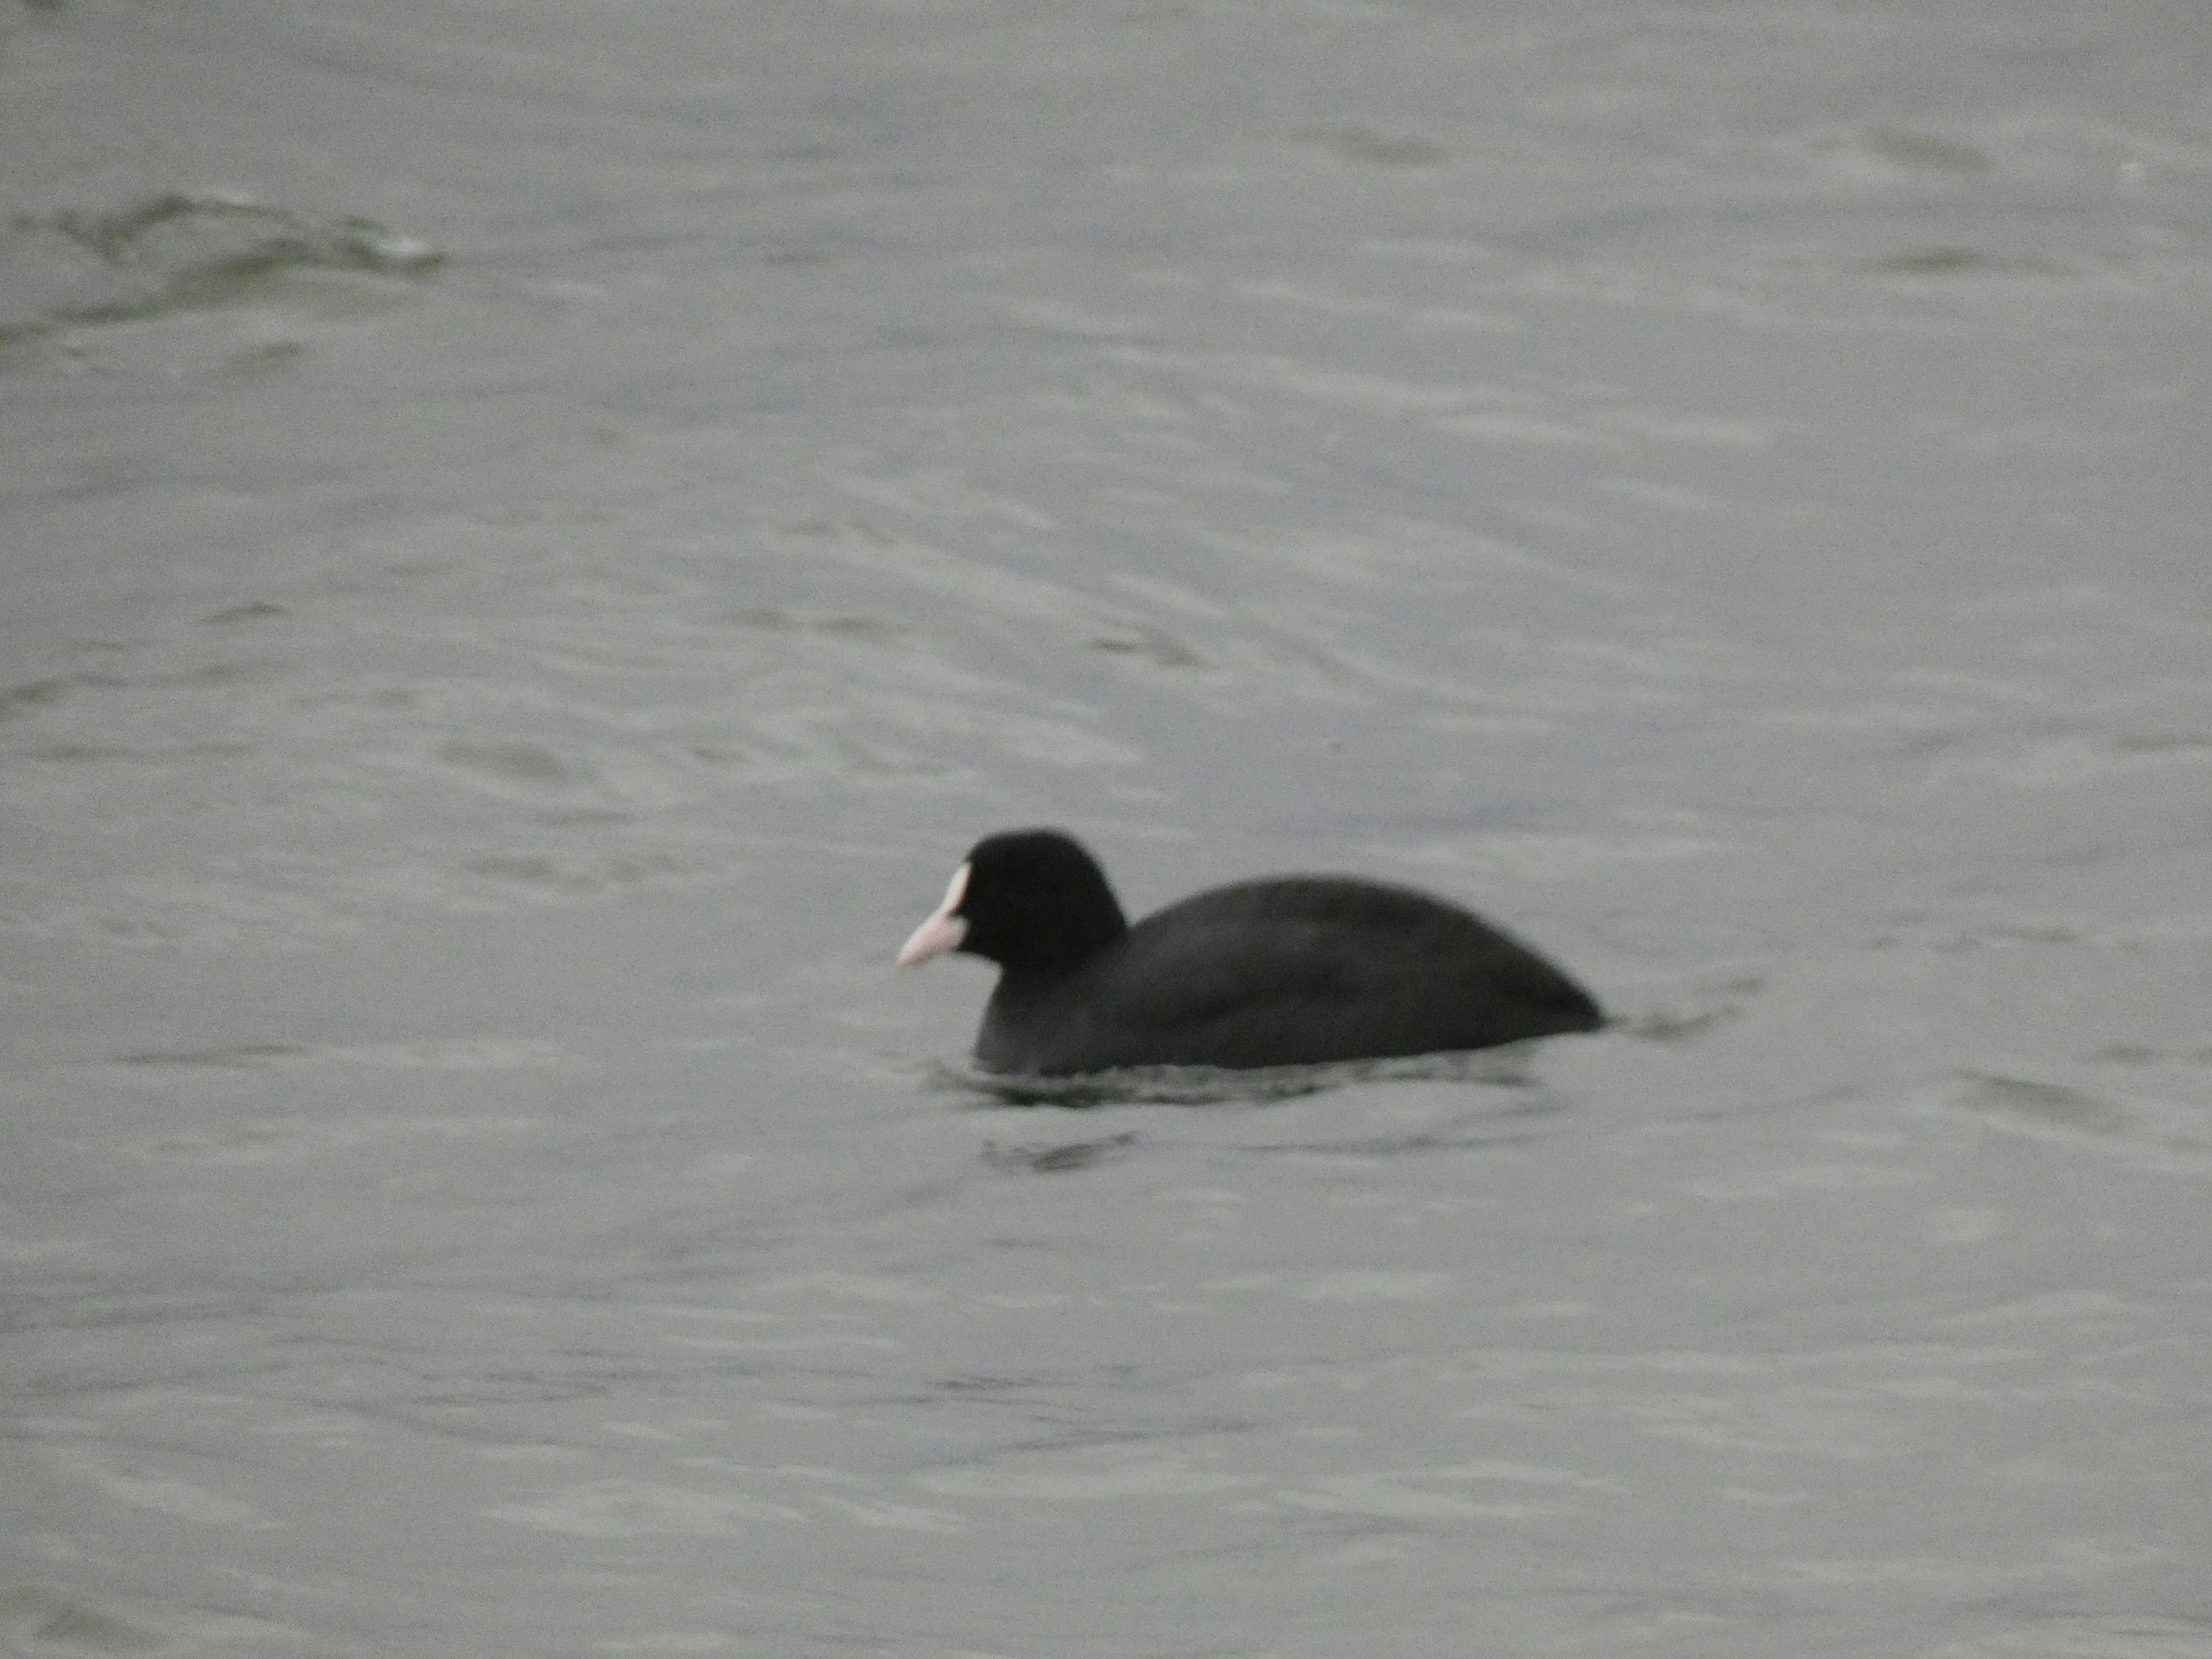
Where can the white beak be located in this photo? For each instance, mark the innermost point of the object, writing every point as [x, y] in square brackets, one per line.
[944, 930]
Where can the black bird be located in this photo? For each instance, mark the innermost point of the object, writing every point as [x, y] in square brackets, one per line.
[1287, 971]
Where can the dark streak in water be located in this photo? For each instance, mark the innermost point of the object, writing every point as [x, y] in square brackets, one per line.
[1372, 148]
[772, 619]
[1155, 645]
[238, 1055]
[1673, 1025]
[1056, 1159]
[1925, 151]
[35, 693]
[251, 611]
[1478, 1131]
[1205, 1086]
[72, 752]
[49, 1616]
[176, 252]
[987, 1387]
[1958, 261]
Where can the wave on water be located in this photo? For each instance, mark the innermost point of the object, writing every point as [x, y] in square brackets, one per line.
[1206, 1085]
[176, 252]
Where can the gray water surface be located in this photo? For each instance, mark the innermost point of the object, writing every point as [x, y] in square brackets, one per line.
[536, 534]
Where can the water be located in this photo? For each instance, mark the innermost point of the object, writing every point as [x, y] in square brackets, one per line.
[536, 535]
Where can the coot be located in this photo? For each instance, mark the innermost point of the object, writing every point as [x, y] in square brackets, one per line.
[1289, 971]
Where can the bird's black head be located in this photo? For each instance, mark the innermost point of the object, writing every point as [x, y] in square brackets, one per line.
[1033, 900]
